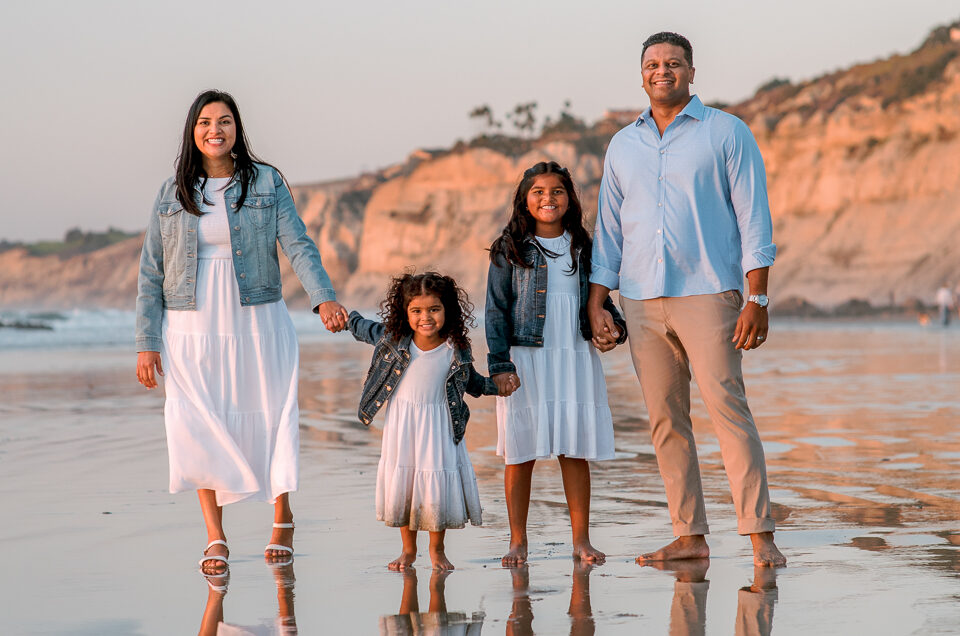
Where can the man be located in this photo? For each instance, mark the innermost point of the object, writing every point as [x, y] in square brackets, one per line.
[682, 215]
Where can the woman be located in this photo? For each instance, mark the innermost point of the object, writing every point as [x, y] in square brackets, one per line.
[210, 313]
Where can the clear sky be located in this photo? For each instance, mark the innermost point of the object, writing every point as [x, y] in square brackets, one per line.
[95, 92]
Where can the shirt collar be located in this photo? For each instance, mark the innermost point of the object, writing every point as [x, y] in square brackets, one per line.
[694, 108]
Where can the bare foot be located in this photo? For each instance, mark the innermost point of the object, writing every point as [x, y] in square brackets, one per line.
[516, 556]
[402, 562]
[687, 547]
[214, 566]
[588, 553]
[280, 536]
[439, 559]
[765, 552]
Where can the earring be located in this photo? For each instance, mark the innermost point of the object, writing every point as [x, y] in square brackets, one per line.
[233, 155]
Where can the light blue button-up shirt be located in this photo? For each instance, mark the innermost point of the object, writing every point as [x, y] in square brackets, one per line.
[685, 214]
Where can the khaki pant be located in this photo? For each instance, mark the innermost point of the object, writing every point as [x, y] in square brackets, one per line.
[668, 338]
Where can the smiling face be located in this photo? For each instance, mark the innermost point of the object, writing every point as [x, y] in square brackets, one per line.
[215, 132]
[547, 202]
[426, 316]
[666, 74]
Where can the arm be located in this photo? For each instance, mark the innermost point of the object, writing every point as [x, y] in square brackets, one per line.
[365, 330]
[603, 328]
[305, 259]
[497, 320]
[150, 301]
[753, 323]
[478, 385]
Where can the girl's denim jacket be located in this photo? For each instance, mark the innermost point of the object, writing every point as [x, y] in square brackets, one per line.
[517, 306]
[391, 359]
[168, 262]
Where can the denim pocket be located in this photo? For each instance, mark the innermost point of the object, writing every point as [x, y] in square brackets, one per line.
[169, 218]
[259, 207]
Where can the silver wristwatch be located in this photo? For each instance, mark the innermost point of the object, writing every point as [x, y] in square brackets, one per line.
[760, 299]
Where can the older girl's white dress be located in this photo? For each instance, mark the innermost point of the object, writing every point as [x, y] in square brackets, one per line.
[424, 480]
[231, 374]
[561, 406]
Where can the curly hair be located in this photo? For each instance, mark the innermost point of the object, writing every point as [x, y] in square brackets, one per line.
[522, 224]
[457, 308]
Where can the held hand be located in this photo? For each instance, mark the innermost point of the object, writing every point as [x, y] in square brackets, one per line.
[604, 330]
[147, 361]
[752, 327]
[506, 383]
[333, 315]
[603, 345]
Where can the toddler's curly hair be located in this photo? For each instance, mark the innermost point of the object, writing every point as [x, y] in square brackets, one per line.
[457, 308]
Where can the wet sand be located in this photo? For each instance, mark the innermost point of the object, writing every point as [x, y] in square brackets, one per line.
[860, 424]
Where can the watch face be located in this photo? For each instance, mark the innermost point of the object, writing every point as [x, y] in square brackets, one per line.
[760, 299]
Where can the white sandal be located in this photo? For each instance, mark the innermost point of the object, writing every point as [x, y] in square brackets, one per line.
[215, 557]
[280, 548]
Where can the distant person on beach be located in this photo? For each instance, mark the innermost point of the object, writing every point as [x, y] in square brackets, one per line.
[945, 304]
[682, 215]
[422, 365]
[210, 313]
[554, 396]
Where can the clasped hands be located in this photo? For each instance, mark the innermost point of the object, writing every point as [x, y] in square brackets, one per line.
[605, 332]
[333, 315]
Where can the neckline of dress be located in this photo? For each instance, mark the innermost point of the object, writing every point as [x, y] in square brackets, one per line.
[557, 239]
[413, 345]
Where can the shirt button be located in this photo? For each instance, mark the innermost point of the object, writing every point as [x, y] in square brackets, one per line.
[453, 403]
[247, 299]
[659, 205]
[660, 179]
[239, 252]
[233, 205]
[659, 260]
[242, 275]
[236, 227]
[659, 231]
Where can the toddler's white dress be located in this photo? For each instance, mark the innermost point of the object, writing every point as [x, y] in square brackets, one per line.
[424, 480]
[231, 411]
[561, 406]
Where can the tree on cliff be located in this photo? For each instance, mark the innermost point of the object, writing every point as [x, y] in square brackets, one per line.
[485, 114]
[524, 118]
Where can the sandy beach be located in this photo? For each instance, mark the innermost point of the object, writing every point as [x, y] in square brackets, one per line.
[860, 425]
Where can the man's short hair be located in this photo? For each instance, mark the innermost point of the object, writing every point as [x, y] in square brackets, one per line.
[669, 37]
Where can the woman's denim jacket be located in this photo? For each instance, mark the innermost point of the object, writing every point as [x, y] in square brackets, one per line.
[168, 262]
[390, 360]
[517, 306]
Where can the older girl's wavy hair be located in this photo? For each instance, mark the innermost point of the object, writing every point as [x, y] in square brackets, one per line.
[522, 225]
[457, 308]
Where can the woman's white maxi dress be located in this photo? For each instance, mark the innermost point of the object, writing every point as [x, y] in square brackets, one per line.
[424, 480]
[231, 373]
[561, 406]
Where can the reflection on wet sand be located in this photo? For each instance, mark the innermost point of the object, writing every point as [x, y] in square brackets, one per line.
[213, 623]
[436, 621]
[520, 621]
[688, 612]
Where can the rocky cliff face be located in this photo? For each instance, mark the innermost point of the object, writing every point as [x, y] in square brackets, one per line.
[863, 170]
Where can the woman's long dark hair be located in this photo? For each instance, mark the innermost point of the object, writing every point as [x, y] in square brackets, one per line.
[457, 308]
[509, 245]
[190, 160]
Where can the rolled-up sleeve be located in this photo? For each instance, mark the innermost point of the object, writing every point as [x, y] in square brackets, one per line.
[608, 234]
[748, 193]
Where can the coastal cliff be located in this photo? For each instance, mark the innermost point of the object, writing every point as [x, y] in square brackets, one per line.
[863, 170]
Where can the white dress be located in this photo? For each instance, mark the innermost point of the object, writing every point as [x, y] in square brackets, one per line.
[424, 480]
[561, 406]
[231, 409]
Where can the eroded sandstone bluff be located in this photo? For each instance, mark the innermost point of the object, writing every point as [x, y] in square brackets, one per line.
[863, 168]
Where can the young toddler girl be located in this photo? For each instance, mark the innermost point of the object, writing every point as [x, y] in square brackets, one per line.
[422, 366]
[538, 332]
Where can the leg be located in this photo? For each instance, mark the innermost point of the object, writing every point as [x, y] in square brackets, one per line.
[520, 620]
[409, 602]
[213, 519]
[437, 554]
[284, 578]
[705, 324]
[281, 536]
[576, 487]
[212, 613]
[662, 367]
[409, 554]
[580, 612]
[516, 483]
[438, 600]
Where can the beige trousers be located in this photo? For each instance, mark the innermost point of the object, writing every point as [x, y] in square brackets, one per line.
[668, 338]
